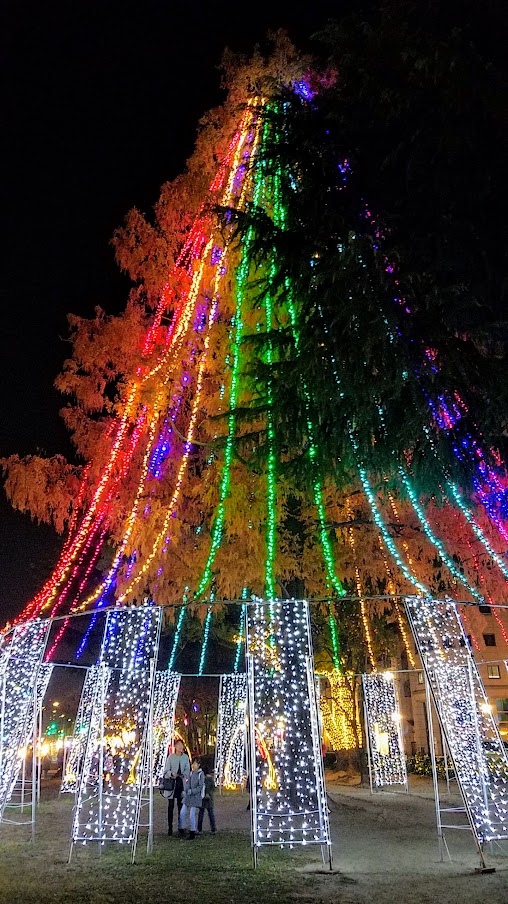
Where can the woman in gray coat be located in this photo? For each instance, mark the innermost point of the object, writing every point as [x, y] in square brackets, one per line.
[193, 797]
[177, 766]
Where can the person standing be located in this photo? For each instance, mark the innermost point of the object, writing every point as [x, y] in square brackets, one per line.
[193, 797]
[207, 803]
[177, 766]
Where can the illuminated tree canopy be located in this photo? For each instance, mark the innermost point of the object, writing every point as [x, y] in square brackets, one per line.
[285, 405]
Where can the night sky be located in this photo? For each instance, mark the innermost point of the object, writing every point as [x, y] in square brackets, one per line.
[100, 107]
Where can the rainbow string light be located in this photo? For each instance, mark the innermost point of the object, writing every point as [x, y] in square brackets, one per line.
[241, 282]
[143, 435]
[220, 513]
[123, 448]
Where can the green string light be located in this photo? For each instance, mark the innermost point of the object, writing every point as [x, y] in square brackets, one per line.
[387, 539]
[452, 568]
[206, 633]
[477, 529]
[271, 465]
[271, 531]
[218, 524]
[239, 643]
[178, 632]
[331, 576]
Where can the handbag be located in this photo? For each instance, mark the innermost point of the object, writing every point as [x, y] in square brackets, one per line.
[168, 784]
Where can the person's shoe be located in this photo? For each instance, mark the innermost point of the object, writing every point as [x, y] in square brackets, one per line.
[191, 836]
[213, 832]
[170, 831]
[181, 833]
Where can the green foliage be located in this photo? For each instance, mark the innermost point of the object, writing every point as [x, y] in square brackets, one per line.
[421, 764]
[361, 363]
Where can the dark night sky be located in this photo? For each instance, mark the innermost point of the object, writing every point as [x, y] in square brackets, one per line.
[100, 106]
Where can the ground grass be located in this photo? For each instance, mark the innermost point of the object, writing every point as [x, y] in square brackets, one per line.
[210, 870]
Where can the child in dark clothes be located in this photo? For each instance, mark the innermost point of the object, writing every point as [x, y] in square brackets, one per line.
[207, 803]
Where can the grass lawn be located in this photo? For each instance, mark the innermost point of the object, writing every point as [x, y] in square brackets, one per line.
[210, 870]
[385, 852]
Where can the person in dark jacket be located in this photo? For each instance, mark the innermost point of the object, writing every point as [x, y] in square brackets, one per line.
[193, 797]
[207, 803]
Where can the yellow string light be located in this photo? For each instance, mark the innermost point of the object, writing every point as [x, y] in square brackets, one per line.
[359, 589]
[340, 714]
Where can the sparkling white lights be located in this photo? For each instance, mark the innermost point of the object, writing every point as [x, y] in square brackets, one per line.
[230, 746]
[167, 685]
[384, 736]
[117, 751]
[76, 755]
[479, 758]
[22, 654]
[286, 767]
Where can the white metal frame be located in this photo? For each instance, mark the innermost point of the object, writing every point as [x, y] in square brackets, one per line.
[281, 686]
[73, 765]
[20, 662]
[127, 664]
[166, 690]
[386, 768]
[470, 732]
[231, 742]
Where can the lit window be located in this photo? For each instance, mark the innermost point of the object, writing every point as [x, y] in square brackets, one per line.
[502, 711]
[493, 671]
[489, 640]
[420, 677]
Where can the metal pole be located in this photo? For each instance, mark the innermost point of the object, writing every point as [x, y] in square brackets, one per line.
[400, 737]
[39, 741]
[35, 735]
[100, 777]
[2, 729]
[251, 759]
[23, 779]
[432, 752]
[219, 753]
[367, 736]
[149, 843]
[318, 756]
[480, 757]
[444, 748]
